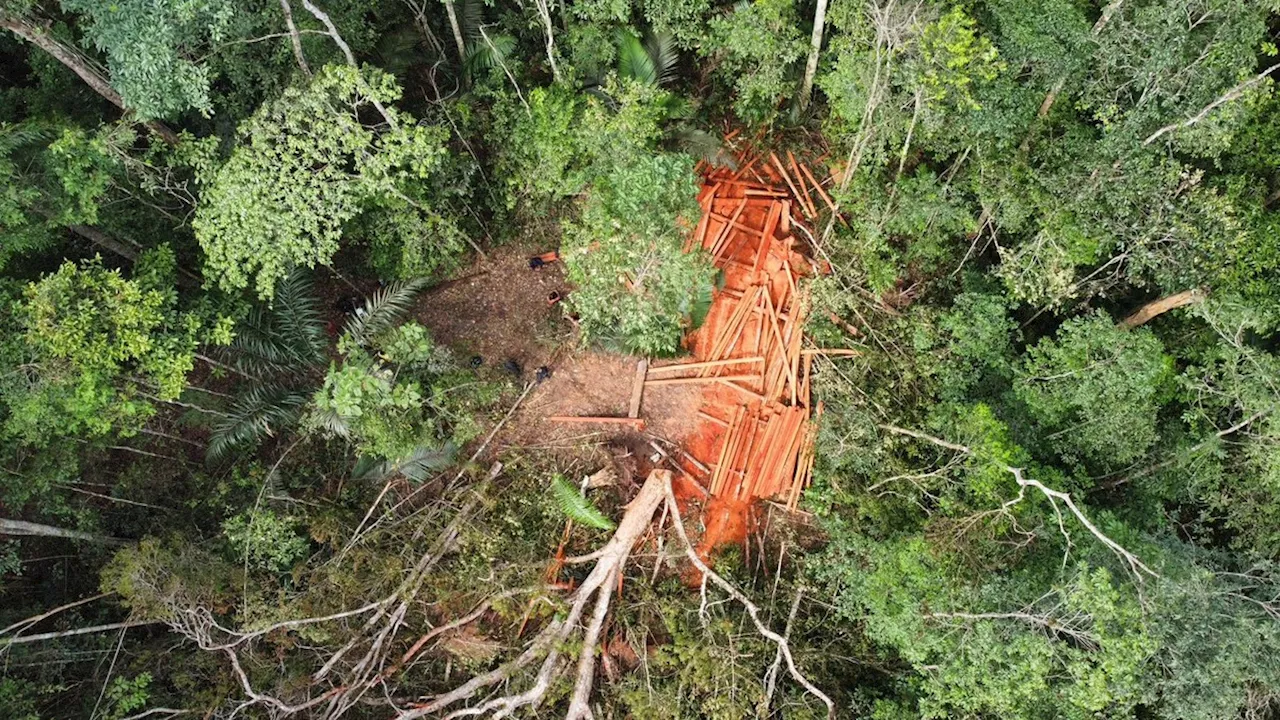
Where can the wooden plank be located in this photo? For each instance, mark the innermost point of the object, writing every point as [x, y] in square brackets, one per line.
[705, 364]
[713, 418]
[787, 178]
[745, 391]
[635, 423]
[831, 352]
[692, 380]
[637, 387]
[724, 231]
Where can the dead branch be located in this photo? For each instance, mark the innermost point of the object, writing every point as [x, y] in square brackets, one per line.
[1054, 496]
[784, 646]
[24, 624]
[23, 639]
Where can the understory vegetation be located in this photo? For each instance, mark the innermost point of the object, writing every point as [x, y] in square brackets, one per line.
[240, 477]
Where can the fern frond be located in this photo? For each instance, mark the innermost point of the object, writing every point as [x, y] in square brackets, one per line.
[576, 506]
[261, 412]
[382, 310]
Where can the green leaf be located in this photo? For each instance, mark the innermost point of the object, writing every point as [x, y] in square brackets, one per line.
[576, 506]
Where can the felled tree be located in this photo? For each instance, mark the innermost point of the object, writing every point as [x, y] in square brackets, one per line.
[102, 347]
[307, 163]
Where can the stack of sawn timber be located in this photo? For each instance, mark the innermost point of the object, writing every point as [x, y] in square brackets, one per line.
[749, 351]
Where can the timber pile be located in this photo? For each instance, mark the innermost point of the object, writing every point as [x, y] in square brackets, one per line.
[757, 412]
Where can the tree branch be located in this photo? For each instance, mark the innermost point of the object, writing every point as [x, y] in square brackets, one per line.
[1054, 496]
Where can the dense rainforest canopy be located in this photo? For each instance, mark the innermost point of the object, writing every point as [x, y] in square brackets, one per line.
[270, 442]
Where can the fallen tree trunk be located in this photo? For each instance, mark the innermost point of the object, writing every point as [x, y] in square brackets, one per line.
[1155, 308]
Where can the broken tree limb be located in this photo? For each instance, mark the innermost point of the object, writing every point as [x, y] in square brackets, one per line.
[1158, 307]
[600, 584]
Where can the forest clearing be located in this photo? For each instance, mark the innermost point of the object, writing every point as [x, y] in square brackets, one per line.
[654, 359]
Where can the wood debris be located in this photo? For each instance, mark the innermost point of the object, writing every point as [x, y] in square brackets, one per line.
[756, 412]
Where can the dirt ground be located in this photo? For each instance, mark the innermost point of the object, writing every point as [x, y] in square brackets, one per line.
[498, 310]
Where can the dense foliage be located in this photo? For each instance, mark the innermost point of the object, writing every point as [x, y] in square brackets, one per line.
[1047, 486]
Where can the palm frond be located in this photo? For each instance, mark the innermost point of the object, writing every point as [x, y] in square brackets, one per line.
[662, 52]
[577, 506]
[259, 413]
[382, 310]
[332, 423]
[297, 314]
[483, 56]
[633, 59]
[470, 17]
[16, 135]
[287, 336]
[418, 466]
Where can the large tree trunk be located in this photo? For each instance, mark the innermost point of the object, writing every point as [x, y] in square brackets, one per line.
[1161, 306]
[815, 46]
[78, 64]
[22, 527]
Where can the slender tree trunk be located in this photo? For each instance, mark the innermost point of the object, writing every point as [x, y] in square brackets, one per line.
[80, 65]
[294, 38]
[38, 637]
[1155, 308]
[452, 11]
[815, 47]
[22, 527]
[544, 12]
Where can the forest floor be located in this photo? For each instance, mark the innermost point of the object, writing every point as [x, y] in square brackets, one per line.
[498, 309]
